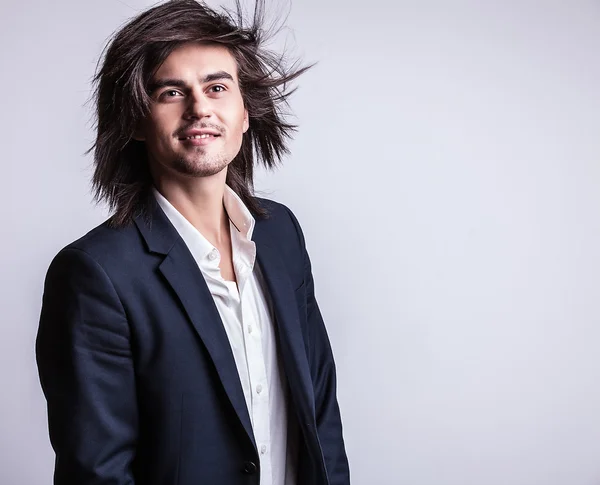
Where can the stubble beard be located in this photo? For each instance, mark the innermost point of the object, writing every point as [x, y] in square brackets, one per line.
[201, 164]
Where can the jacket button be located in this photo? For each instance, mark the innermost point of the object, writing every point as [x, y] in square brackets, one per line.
[250, 468]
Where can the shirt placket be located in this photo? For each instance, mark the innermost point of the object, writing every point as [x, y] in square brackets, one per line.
[259, 384]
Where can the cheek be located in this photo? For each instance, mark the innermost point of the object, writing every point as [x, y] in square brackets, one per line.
[159, 140]
[164, 120]
[162, 130]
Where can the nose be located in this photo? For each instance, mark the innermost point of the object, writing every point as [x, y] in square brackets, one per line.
[198, 106]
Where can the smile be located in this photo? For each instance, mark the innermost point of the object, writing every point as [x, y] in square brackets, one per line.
[199, 140]
[197, 137]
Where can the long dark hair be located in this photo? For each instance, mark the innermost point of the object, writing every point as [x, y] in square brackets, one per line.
[121, 173]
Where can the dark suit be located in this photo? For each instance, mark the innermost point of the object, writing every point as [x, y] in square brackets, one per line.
[139, 376]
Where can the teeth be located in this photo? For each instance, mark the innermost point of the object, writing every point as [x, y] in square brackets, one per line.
[206, 135]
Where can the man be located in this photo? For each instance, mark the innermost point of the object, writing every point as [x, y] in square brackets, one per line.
[180, 342]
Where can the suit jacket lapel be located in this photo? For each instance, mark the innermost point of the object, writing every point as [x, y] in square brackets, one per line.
[291, 341]
[181, 272]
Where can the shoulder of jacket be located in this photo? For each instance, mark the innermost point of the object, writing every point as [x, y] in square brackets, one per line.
[106, 243]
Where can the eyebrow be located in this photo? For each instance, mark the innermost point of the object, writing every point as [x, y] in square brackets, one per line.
[179, 83]
[216, 76]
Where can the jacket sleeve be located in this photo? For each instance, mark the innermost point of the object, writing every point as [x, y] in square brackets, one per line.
[322, 367]
[85, 365]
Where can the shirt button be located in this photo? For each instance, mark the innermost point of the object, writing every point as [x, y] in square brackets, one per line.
[258, 389]
[249, 328]
[263, 449]
[214, 254]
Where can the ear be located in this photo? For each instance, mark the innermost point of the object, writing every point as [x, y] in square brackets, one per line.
[246, 124]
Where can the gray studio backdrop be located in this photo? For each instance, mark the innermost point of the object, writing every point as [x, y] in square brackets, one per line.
[446, 173]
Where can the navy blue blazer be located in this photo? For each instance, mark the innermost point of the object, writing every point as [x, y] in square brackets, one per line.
[138, 373]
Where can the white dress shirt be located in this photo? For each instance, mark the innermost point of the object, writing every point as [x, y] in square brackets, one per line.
[246, 313]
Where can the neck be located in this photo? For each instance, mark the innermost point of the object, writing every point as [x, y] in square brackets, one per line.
[200, 201]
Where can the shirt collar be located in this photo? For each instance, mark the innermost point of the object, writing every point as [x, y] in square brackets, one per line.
[239, 215]
[242, 222]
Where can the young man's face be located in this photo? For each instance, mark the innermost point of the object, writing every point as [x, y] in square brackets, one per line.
[197, 116]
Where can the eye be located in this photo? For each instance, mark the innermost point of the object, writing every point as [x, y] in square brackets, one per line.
[217, 88]
[170, 93]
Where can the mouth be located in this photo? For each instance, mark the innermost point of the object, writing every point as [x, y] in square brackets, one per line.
[199, 137]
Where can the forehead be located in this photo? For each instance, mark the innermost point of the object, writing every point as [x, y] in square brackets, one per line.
[194, 60]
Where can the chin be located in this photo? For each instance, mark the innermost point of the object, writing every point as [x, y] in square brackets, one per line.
[200, 168]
